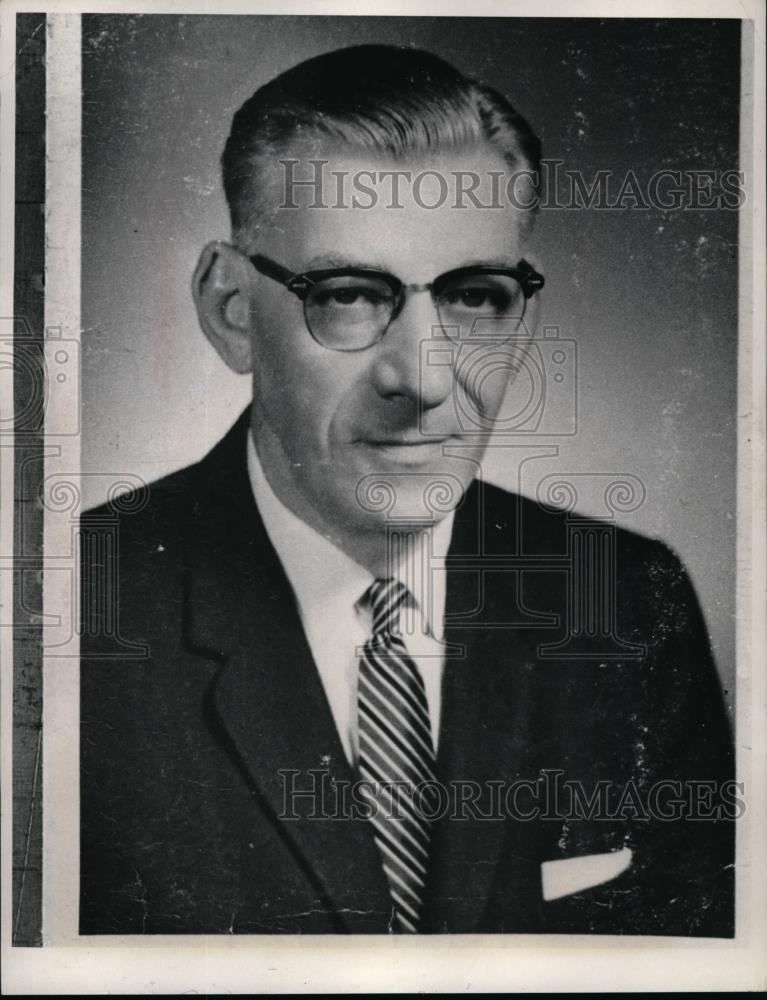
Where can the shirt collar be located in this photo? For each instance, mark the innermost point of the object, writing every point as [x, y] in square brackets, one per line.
[323, 577]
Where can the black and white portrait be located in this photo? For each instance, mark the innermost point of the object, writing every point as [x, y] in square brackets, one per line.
[405, 524]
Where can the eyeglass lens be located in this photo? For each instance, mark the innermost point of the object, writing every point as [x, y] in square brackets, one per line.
[350, 312]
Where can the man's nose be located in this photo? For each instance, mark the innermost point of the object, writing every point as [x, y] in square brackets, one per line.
[402, 367]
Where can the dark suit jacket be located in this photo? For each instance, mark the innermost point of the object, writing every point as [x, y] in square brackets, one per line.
[199, 696]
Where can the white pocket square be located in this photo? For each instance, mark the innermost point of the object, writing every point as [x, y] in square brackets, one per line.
[568, 875]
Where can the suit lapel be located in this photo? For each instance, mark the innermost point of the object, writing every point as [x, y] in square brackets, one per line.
[485, 734]
[274, 718]
[269, 703]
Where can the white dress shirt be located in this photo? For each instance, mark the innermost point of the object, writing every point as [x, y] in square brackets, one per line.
[329, 587]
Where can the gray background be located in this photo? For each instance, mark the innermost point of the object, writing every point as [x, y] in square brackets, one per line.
[649, 297]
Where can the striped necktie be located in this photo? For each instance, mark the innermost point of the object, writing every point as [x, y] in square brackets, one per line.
[395, 750]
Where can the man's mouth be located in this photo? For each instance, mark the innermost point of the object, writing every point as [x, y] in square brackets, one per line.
[406, 442]
[397, 450]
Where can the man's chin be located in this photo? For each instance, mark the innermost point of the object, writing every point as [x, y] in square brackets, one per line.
[406, 497]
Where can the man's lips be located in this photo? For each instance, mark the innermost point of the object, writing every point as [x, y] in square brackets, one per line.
[420, 442]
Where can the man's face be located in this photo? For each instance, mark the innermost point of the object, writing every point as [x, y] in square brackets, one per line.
[393, 433]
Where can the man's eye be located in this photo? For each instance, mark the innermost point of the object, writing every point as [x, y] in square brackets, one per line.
[351, 295]
[475, 297]
[478, 298]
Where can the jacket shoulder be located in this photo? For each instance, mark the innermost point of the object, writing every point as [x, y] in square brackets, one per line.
[163, 506]
[148, 508]
[550, 526]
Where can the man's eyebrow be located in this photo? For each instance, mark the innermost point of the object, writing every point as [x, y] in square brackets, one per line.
[488, 262]
[327, 260]
[331, 260]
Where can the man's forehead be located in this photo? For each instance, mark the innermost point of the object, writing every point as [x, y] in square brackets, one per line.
[455, 174]
[419, 243]
[346, 208]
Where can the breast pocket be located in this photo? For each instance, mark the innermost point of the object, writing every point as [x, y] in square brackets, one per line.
[566, 876]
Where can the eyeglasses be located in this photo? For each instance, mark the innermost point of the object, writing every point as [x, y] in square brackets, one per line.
[351, 308]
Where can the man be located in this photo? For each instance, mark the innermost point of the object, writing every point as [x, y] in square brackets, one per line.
[331, 682]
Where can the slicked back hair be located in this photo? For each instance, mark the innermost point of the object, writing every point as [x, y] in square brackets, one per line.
[387, 100]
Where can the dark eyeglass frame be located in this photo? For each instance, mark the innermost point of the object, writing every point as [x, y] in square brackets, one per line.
[300, 284]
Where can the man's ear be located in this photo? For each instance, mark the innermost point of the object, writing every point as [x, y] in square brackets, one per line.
[220, 290]
[533, 314]
[533, 306]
